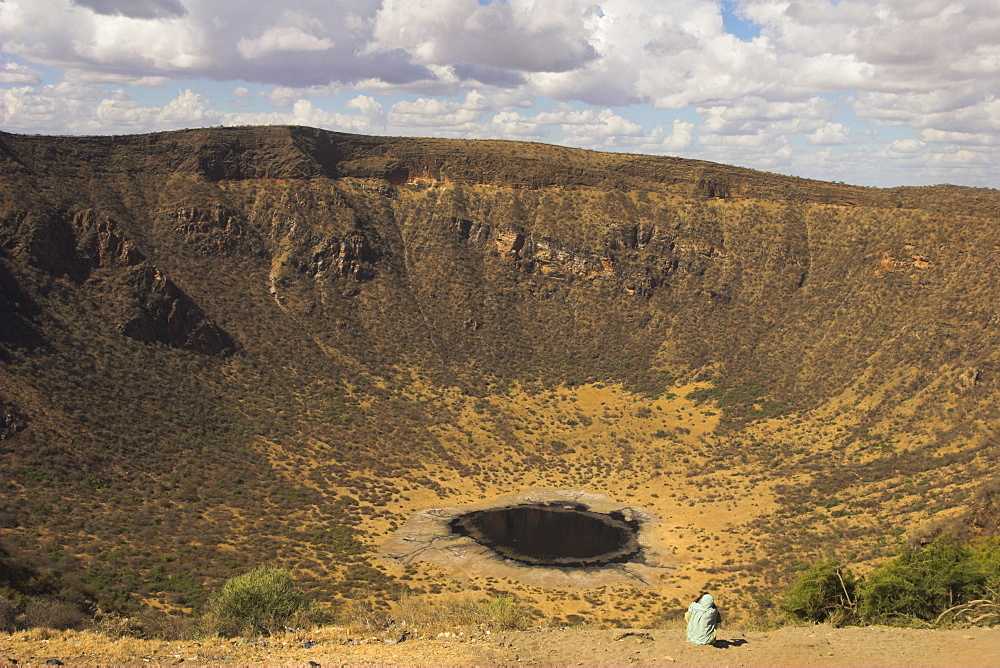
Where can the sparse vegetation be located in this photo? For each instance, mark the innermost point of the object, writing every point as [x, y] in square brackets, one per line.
[420, 321]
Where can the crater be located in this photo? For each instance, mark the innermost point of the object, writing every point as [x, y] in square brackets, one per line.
[541, 537]
[552, 534]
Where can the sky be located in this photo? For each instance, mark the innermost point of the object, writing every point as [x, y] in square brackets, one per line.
[876, 93]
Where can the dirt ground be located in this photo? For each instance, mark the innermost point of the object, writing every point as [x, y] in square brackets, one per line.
[800, 646]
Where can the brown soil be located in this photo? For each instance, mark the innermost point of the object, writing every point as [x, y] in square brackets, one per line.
[802, 646]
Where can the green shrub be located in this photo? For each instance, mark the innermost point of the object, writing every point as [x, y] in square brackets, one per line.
[826, 592]
[258, 602]
[922, 583]
[985, 553]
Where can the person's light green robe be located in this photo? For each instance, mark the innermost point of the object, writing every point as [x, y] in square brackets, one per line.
[703, 621]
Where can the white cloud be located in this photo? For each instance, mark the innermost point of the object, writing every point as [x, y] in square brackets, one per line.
[599, 129]
[604, 124]
[906, 146]
[432, 112]
[370, 109]
[680, 137]
[285, 96]
[512, 125]
[188, 109]
[38, 109]
[281, 39]
[59, 33]
[297, 43]
[19, 75]
[304, 112]
[981, 116]
[830, 133]
[657, 141]
[753, 115]
[122, 111]
[964, 157]
[670, 55]
[495, 37]
[758, 140]
[970, 112]
[969, 138]
[90, 109]
[883, 46]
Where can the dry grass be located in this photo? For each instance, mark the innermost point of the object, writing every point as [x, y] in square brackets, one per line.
[440, 613]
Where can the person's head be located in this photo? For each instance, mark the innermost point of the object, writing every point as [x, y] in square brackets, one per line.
[706, 599]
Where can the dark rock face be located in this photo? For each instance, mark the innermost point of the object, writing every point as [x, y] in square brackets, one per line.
[17, 311]
[100, 242]
[49, 242]
[162, 313]
[215, 231]
[12, 420]
[92, 246]
[348, 257]
[68, 244]
[984, 515]
[714, 187]
[968, 380]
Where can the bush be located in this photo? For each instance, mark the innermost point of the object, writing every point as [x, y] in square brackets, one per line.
[8, 614]
[826, 592]
[923, 583]
[944, 582]
[57, 615]
[366, 616]
[503, 612]
[258, 602]
[985, 554]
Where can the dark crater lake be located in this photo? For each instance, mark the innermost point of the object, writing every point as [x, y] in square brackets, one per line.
[554, 534]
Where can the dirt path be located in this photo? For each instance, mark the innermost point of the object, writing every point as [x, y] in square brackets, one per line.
[800, 646]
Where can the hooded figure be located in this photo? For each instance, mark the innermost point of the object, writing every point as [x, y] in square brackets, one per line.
[703, 620]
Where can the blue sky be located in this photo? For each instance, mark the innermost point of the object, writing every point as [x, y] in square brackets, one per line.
[862, 91]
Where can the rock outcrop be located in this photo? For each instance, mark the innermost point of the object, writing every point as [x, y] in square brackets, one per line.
[12, 420]
[160, 312]
[351, 257]
[70, 244]
[215, 231]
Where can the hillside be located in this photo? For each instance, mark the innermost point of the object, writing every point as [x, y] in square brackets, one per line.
[228, 347]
